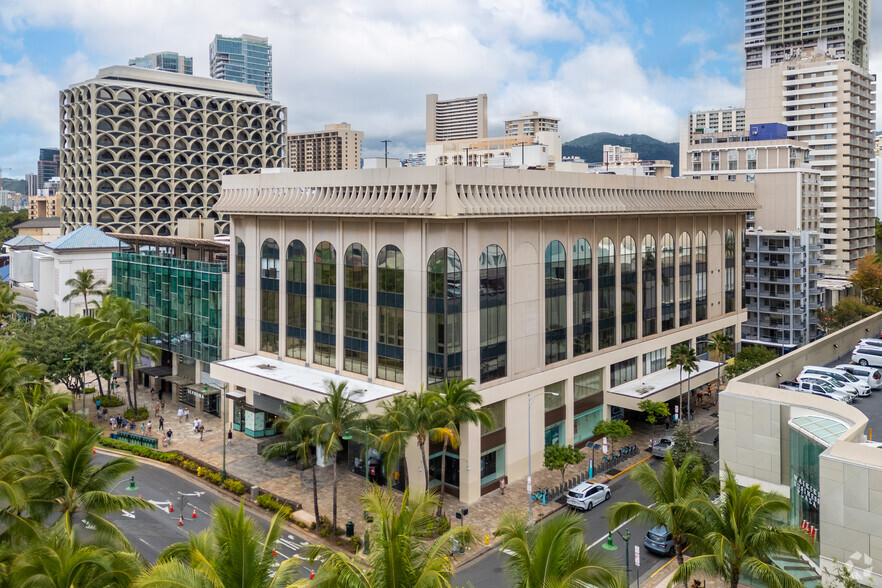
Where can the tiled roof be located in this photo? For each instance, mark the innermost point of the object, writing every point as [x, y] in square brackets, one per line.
[40, 223]
[86, 237]
[22, 241]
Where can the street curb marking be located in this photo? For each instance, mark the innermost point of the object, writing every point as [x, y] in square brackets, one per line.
[666, 564]
[629, 468]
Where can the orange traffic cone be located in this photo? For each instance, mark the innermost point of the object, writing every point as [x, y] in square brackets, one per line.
[181, 521]
[312, 573]
[194, 512]
[139, 496]
[93, 450]
[171, 508]
[274, 553]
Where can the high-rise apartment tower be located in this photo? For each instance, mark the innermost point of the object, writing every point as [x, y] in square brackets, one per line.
[165, 61]
[47, 166]
[777, 29]
[246, 59]
[337, 147]
[456, 119]
[530, 123]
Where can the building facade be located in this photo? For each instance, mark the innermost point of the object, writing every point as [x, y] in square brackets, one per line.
[246, 59]
[527, 281]
[530, 123]
[456, 119]
[830, 105]
[775, 30]
[165, 61]
[143, 149]
[337, 147]
[711, 126]
[31, 183]
[47, 166]
[541, 150]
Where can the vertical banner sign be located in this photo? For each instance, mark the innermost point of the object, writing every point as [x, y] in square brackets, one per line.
[637, 556]
[604, 446]
[529, 484]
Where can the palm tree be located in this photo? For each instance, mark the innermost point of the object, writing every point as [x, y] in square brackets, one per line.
[126, 343]
[66, 482]
[8, 306]
[738, 535]
[233, 552]
[721, 344]
[458, 403]
[45, 313]
[674, 494]
[60, 560]
[329, 420]
[396, 430]
[553, 553]
[33, 412]
[298, 440]
[681, 357]
[15, 371]
[399, 558]
[82, 285]
[420, 415]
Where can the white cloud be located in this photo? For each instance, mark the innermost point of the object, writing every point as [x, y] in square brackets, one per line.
[372, 63]
[695, 37]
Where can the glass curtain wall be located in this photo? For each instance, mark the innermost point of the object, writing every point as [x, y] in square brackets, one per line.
[606, 293]
[700, 276]
[587, 404]
[444, 316]
[493, 304]
[581, 298]
[730, 271]
[390, 314]
[685, 264]
[668, 277]
[269, 296]
[555, 302]
[555, 414]
[648, 266]
[325, 300]
[240, 292]
[295, 289]
[628, 277]
[355, 309]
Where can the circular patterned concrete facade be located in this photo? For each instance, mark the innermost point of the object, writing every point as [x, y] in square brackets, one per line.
[138, 159]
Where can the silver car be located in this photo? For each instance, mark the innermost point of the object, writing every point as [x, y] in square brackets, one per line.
[662, 446]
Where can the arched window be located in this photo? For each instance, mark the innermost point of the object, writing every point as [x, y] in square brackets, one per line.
[668, 281]
[628, 278]
[700, 276]
[648, 265]
[269, 296]
[240, 292]
[555, 302]
[582, 298]
[325, 301]
[390, 314]
[444, 316]
[685, 265]
[355, 300]
[493, 304]
[295, 288]
[730, 270]
[606, 293]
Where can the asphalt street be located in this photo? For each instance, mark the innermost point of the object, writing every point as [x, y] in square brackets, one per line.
[152, 531]
[488, 571]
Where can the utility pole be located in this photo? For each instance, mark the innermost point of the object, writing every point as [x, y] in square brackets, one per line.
[385, 143]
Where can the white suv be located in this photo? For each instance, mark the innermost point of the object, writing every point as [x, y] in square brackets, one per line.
[874, 378]
[829, 383]
[587, 495]
[860, 385]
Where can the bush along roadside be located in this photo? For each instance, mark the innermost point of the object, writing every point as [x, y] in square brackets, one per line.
[204, 471]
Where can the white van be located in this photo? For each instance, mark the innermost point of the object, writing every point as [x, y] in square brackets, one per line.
[873, 376]
[870, 343]
[860, 385]
[831, 383]
[867, 356]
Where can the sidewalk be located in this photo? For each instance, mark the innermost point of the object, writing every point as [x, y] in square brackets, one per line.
[283, 479]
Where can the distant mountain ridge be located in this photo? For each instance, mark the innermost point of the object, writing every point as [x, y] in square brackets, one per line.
[12, 185]
[590, 147]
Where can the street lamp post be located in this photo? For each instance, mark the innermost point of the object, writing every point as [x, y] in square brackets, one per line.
[530, 399]
[610, 546]
[205, 392]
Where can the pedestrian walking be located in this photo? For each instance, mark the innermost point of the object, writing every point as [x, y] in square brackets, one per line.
[156, 410]
[180, 414]
[502, 485]
[112, 423]
[152, 391]
[201, 430]
[230, 436]
[187, 414]
[143, 428]
[168, 437]
[104, 412]
[150, 427]
[161, 424]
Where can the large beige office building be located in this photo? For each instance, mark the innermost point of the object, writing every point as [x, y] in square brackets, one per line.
[776, 30]
[831, 105]
[337, 147]
[527, 281]
[530, 123]
[456, 119]
[142, 149]
[710, 126]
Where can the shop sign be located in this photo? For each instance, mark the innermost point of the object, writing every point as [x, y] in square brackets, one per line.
[807, 492]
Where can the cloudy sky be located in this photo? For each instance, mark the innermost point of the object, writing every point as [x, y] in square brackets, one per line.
[629, 66]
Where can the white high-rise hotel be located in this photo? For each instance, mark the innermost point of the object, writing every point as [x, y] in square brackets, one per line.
[806, 68]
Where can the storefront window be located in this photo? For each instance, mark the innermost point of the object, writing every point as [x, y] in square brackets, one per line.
[583, 424]
[555, 414]
[805, 479]
[492, 464]
[451, 471]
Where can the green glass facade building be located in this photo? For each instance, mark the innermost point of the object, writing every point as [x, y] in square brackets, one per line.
[182, 296]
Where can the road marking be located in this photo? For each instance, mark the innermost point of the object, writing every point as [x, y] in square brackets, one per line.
[205, 512]
[288, 544]
[645, 459]
[666, 565]
[128, 514]
[197, 494]
[616, 529]
[509, 552]
[160, 504]
[144, 542]
[88, 525]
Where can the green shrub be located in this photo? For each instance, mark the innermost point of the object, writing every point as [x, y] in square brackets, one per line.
[356, 544]
[109, 401]
[443, 525]
[165, 457]
[89, 390]
[143, 414]
[235, 486]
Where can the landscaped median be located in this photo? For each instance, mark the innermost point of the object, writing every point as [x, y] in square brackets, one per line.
[267, 500]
